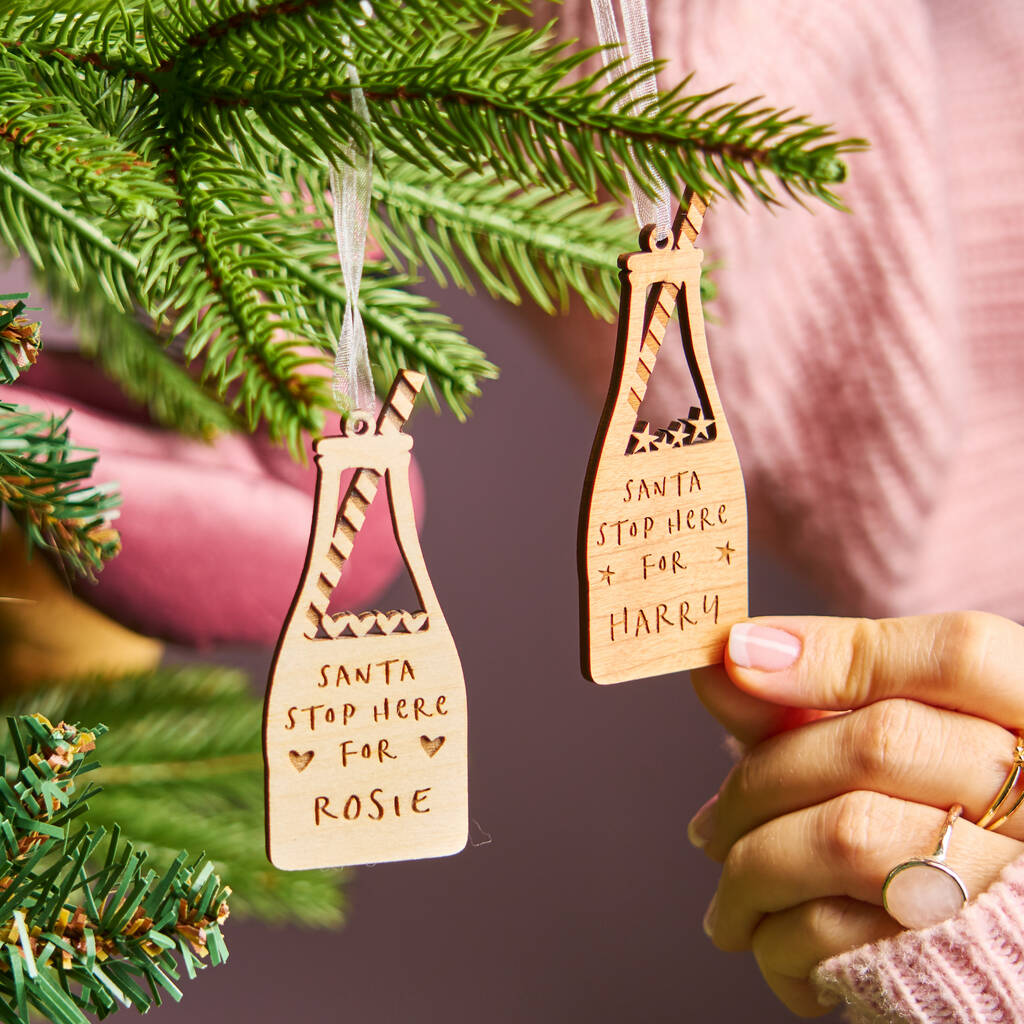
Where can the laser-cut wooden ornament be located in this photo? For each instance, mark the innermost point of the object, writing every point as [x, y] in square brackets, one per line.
[662, 544]
[365, 715]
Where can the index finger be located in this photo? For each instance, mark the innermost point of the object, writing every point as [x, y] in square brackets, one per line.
[963, 661]
[749, 719]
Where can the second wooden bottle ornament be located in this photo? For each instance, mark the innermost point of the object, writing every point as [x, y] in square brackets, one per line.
[663, 521]
[365, 717]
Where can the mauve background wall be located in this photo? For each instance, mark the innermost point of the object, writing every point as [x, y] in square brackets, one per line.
[586, 903]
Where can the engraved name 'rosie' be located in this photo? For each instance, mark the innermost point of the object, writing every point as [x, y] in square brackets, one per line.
[375, 806]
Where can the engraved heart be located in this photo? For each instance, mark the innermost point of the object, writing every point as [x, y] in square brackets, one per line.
[388, 621]
[431, 746]
[300, 762]
[333, 625]
[360, 625]
[414, 621]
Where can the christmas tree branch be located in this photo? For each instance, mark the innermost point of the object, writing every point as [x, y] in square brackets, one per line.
[538, 240]
[19, 338]
[44, 484]
[150, 142]
[143, 363]
[236, 21]
[86, 920]
[37, 101]
[182, 762]
[50, 208]
[294, 263]
[273, 390]
[508, 96]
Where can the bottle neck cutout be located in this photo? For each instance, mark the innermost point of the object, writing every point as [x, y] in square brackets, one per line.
[379, 454]
[657, 281]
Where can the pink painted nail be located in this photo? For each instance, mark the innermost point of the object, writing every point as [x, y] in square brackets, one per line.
[700, 830]
[761, 647]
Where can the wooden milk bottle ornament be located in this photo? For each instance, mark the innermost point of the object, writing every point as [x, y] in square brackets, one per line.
[663, 521]
[365, 718]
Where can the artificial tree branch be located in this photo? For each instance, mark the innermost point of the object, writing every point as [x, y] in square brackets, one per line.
[182, 762]
[194, 109]
[84, 919]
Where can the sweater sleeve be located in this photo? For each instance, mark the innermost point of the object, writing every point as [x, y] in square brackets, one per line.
[968, 970]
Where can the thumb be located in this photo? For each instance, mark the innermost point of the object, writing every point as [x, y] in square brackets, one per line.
[963, 661]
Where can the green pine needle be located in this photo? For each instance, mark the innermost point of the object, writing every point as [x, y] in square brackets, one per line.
[86, 925]
[541, 242]
[183, 766]
[156, 152]
[19, 338]
[44, 484]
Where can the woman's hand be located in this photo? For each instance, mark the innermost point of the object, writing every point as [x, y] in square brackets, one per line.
[811, 820]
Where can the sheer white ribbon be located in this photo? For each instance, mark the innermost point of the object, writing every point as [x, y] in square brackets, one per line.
[352, 385]
[638, 52]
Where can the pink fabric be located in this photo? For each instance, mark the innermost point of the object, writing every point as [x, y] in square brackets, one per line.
[871, 363]
[213, 537]
[968, 970]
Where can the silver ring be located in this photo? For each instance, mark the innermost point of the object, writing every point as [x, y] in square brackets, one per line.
[928, 890]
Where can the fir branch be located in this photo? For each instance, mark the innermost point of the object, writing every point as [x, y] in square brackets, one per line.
[16, 222]
[20, 340]
[51, 116]
[183, 764]
[44, 484]
[85, 921]
[175, 275]
[507, 99]
[236, 26]
[457, 224]
[143, 364]
[229, 320]
[148, 142]
[533, 240]
[293, 264]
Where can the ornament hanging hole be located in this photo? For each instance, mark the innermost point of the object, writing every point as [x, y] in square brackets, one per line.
[650, 243]
[358, 424]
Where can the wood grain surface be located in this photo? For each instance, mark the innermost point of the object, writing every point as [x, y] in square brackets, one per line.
[662, 540]
[365, 716]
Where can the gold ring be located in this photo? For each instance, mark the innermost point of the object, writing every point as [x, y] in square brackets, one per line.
[988, 819]
[924, 891]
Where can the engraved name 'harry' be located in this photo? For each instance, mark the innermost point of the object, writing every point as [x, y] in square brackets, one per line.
[662, 618]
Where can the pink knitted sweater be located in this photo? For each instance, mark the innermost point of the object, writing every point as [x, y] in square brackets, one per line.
[968, 970]
[871, 365]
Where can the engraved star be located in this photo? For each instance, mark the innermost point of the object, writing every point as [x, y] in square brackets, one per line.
[699, 425]
[642, 438]
[725, 552]
[672, 435]
[606, 575]
[660, 441]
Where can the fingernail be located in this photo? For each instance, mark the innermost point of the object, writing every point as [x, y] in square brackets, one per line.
[709, 916]
[700, 829]
[762, 647]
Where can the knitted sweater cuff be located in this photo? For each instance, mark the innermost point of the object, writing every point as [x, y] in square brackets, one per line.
[969, 969]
